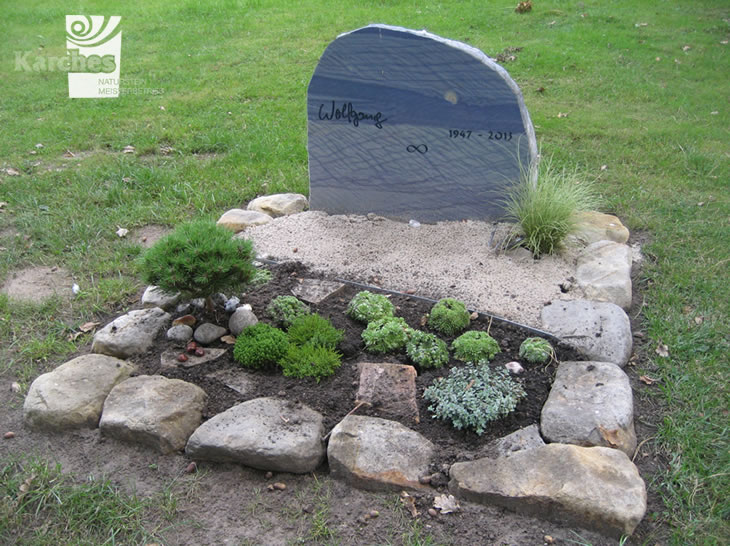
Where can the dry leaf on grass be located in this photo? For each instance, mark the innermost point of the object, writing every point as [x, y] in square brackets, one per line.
[88, 326]
[446, 504]
[122, 232]
[409, 503]
[128, 149]
[662, 350]
[646, 379]
[562, 114]
[613, 437]
[524, 7]
[12, 172]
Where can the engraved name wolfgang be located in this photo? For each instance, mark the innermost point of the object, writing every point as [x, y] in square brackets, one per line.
[347, 112]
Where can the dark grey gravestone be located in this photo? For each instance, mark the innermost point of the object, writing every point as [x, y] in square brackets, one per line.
[410, 125]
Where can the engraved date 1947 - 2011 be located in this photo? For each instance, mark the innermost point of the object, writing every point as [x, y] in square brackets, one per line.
[490, 135]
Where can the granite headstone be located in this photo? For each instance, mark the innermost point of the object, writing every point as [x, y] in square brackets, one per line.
[409, 125]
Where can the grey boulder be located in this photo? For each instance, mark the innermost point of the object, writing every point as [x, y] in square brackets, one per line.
[72, 395]
[241, 318]
[264, 433]
[604, 272]
[130, 334]
[207, 333]
[598, 330]
[152, 410]
[378, 454]
[593, 487]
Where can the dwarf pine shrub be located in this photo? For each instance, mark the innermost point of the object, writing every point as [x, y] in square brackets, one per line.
[198, 259]
[284, 310]
[473, 395]
[260, 345]
[366, 307]
[386, 335]
[426, 350]
[449, 317]
[536, 350]
[473, 346]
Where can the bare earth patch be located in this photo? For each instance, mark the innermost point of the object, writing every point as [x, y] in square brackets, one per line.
[35, 284]
[149, 235]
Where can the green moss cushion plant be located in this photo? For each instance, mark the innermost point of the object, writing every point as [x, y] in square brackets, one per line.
[260, 345]
[314, 330]
[284, 310]
[427, 350]
[310, 361]
[198, 259]
[386, 335]
[367, 307]
[474, 346]
[449, 317]
[536, 350]
[473, 395]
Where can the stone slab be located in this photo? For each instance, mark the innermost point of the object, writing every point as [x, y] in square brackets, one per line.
[390, 389]
[590, 404]
[598, 330]
[72, 395]
[238, 219]
[168, 358]
[315, 291]
[152, 410]
[593, 487]
[264, 433]
[519, 440]
[595, 226]
[409, 125]
[279, 204]
[378, 454]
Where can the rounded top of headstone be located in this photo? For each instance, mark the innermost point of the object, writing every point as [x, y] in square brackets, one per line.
[407, 124]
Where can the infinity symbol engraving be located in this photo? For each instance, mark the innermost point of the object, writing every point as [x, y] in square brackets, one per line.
[421, 149]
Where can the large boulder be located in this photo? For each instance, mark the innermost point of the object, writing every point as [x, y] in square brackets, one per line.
[377, 454]
[592, 226]
[593, 487]
[597, 330]
[154, 411]
[72, 395]
[604, 272]
[280, 204]
[130, 334]
[590, 404]
[154, 296]
[265, 433]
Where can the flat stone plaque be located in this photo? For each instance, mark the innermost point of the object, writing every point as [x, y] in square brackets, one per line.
[410, 125]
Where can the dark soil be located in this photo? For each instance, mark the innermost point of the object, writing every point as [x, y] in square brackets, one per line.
[334, 397]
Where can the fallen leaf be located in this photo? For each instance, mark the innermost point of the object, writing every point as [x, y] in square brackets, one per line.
[646, 379]
[714, 113]
[446, 504]
[724, 42]
[69, 153]
[128, 149]
[162, 108]
[699, 319]
[88, 326]
[700, 203]
[662, 350]
[562, 114]
[657, 58]
[604, 167]
[75, 288]
[524, 7]
[12, 172]
[230, 340]
[410, 503]
[73, 336]
[3, 204]
[39, 145]
[122, 232]
[641, 25]
[686, 48]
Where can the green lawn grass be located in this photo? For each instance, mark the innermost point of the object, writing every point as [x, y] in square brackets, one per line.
[644, 86]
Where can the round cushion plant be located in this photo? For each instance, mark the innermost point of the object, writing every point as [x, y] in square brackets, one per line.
[284, 310]
[386, 335]
[366, 307]
[449, 317]
[474, 345]
[536, 350]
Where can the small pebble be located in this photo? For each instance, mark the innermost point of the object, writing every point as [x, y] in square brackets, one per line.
[192, 467]
[514, 367]
[182, 357]
[433, 512]
[548, 539]
[9, 435]
[410, 291]
[474, 315]
[15, 386]
[279, 486]
[281, 393]
[269, 475]
[374, 513]
[295, 249]
[424, 479]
